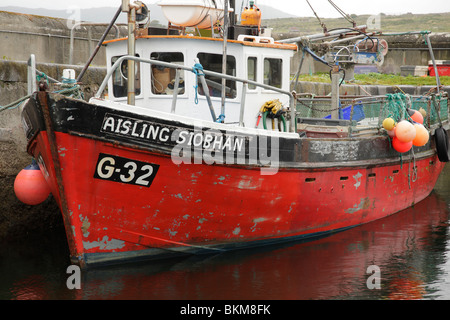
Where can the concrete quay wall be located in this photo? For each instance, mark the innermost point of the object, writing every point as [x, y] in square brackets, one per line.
[324, 89]
[49, 39]
[16, 218]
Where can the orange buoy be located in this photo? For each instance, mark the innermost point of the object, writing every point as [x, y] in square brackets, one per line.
[30, 186]
[400, 146]
[251, 16]
[405, 131]
[422, 136]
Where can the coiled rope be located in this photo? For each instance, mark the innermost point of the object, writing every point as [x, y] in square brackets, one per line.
[73, 92]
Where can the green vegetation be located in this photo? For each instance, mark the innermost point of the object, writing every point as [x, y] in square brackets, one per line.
[390, 79]
[379, 79]
[437, 22]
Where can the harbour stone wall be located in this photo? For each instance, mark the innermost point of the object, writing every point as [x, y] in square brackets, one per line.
[16, 218]
[49, 40]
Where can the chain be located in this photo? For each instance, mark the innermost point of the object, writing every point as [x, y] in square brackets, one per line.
[321, 110]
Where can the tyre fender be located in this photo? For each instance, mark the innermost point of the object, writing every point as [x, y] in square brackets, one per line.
[442, 144]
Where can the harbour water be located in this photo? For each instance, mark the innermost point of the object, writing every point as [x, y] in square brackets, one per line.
[404, 256]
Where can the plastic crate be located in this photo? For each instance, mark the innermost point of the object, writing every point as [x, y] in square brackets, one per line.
[358, 113]
[443, 70]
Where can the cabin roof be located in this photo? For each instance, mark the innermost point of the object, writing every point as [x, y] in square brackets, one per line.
[274, 45]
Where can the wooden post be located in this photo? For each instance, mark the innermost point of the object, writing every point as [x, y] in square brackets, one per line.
[335, 79]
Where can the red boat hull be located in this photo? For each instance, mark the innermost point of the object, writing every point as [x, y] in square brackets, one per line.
[125, 199]
[194, 208]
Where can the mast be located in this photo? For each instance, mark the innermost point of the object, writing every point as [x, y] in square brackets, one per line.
[130, 9]
[99, 44]
[224, 60]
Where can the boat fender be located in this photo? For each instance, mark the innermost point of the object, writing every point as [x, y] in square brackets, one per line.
[442, 144]
[30, 185]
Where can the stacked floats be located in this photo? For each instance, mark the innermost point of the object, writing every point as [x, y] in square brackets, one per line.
[407, 133]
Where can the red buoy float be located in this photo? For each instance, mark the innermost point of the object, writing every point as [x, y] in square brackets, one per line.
[417, 117]
[401, 146]
[30, 186]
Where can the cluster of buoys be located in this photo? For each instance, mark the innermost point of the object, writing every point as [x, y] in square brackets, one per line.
[30, 185]
[406, 134]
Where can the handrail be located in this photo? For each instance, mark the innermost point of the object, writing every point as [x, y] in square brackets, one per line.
[206, 72]
[379, 99]
[90, 24]
[31, 74]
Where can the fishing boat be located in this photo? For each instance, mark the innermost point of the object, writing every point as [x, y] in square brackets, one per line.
[209, 149]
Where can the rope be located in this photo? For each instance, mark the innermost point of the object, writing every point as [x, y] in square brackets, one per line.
[221, 118]
[345, 15]
[397, 105]
[198, 70]
[69, 81]
[324, 27]
[412, 177]
[40, 76]
[14, 104]
[273, 109]
[73, 92]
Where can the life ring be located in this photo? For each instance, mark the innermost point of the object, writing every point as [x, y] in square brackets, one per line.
[281, 117]
[442, 145]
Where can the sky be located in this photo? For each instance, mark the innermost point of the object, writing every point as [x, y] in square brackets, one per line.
[295, 7]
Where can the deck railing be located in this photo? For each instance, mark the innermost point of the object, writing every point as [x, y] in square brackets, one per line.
[366, 113]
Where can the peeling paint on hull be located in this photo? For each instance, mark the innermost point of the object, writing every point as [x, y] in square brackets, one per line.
[169, 217]
[192, 208]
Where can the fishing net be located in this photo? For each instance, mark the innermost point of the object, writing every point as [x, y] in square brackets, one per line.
[371, 111]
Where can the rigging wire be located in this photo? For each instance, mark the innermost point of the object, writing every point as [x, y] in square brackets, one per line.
[345, 15]
[324, 27]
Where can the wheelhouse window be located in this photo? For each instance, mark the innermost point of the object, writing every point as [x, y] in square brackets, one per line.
[251, 71]
[273, 72]
[213, 62]
[163, 79]
[120, 78]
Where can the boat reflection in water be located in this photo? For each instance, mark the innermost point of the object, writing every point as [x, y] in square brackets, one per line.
[410, 249]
